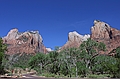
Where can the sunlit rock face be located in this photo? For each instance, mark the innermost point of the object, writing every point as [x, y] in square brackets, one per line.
[102, 32]
[49, 49]
[74, 40]
[26, 42]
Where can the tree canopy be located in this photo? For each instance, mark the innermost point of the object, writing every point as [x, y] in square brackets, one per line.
[3, 48]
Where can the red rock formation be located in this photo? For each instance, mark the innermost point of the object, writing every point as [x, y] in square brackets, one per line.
[74, 40]
[102, 32]
[27, 42]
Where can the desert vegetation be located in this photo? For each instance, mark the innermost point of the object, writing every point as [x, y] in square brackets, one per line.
[83, 62]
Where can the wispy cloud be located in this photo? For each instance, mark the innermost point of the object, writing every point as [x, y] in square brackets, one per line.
[81, 23]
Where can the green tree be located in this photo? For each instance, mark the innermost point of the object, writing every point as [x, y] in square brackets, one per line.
[73, 57]
[70, 63]
[38, 62]
[20, 60]
[117, 56]
[65, 63]
[53, 63]
[89, 50]
[117, 52]
[3, 48]
[105, 64]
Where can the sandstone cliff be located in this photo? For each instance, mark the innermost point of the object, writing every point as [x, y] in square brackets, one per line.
[102, 32]
[32, 42]
[75, 39]
[27, 42]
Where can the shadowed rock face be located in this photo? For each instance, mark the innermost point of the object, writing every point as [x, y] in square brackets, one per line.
[74, 40]
[27, 42]
[102, 32]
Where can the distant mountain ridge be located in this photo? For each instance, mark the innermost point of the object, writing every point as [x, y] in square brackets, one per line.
[100, 32]
[32, 42]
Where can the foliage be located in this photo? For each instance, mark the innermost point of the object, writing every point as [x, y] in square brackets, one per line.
[53, 63]
[38, 62]
[89, 50]
[85, 61]
[22, 60]
[17, 60]
[106, 63]
[117, 52]
[117, 56]
[3, 48]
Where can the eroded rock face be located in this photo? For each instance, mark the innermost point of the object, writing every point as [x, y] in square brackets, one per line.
[27, 42]
[74, 40]
[102, 32]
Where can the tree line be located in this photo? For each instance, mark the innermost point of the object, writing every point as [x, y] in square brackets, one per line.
[73, 62]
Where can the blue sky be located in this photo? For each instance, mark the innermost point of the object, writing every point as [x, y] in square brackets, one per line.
[54, 19]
